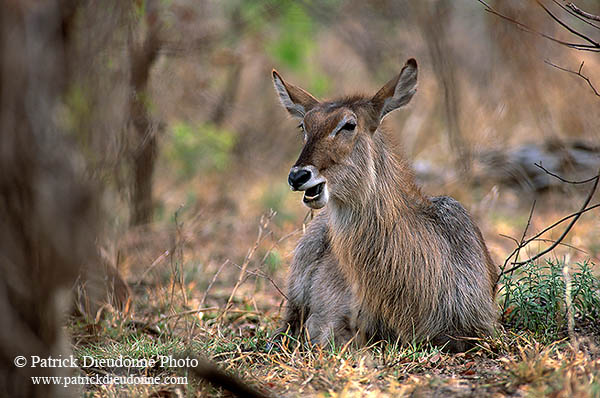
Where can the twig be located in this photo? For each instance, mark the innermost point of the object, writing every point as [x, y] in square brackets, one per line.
[153, 265]
[563, 179]
[197, 311]
[522, 243]
[509, 237]
[567, 27]
[515, 253]
[307, 218]
[212, 282]
[522, 26]
[575, 216]
[577, 73]
[562, 244]
[208, 371]
[525, 230]
[584, 14]
[260, 274]
[547, 241]
[177, 266]
[569, 8]
[264, 222]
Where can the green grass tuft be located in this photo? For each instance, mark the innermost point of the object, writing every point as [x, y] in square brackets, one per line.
[534, 299]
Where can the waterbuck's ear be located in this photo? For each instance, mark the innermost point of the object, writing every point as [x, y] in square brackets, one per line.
[293, 98]
[398, 91]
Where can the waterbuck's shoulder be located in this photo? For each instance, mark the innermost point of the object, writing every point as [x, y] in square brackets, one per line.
[449, 212]
[315, 237]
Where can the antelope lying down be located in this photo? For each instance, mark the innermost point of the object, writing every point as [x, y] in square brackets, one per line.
[381, 260]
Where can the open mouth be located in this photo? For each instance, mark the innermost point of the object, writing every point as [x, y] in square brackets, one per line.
[313, 193]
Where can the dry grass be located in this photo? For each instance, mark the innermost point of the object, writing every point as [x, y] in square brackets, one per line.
[221, 298]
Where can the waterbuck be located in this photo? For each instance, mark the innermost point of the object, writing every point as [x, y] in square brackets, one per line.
[381, 261]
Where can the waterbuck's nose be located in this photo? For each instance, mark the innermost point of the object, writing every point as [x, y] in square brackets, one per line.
[298, 177]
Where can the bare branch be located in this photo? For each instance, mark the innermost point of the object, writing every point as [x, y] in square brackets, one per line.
[518, 250]
[562, 244]
[509, 237]
[584, 208]
[215, 276]
[563, 179]
[521, 244]
[261, 274]
[577, 73]
[567, 27]
[264, 223]
[547, 241]
[209, 372]
[562, 220]
[522, 26]
[258, 273]
[584, 14]
[576, 15]
[158, 260]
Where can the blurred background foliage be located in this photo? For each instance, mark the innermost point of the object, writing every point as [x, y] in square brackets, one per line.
[198, 149]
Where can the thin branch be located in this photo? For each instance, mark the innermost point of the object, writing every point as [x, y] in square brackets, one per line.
[181, 314]
[575, 216]
[567, 27]
[562, 220]
[522, 243]
[264, 222]
[209, 372]
[524, 232]
[563, 179]
[212, 282]
[515, 253]
[575, 14]
[153, 265]
[577, 46]
[258, 273]
[562, 244]
[509, 237]
[547, 241]
[584, 14]
[577, 73]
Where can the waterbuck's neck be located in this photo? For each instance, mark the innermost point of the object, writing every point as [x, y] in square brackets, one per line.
[390, 194]
[371, 235]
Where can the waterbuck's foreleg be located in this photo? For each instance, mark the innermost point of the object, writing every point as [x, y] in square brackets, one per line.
[307, 258]
[319, 299]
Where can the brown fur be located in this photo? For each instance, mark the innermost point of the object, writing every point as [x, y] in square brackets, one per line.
[382, 260]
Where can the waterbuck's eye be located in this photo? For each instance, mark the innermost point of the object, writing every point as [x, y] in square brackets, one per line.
[302, 131]
[349, 126]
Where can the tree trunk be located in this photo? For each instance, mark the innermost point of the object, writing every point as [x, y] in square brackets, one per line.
[144, 155]
[435, 18]
[48, 215]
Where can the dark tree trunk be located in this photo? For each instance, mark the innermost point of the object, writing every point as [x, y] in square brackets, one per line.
[47, 210]
[229, 93]
[144, 154]
[435, 19]
[143, 168]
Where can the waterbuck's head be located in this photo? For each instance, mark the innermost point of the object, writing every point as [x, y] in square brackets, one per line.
[337, 157]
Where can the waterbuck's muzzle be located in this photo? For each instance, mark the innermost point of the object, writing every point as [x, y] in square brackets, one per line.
[309, 180]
